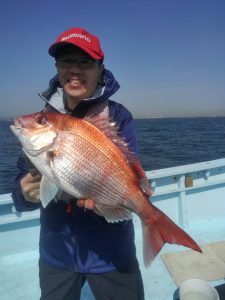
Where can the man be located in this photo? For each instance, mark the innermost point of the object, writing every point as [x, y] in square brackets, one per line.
[76, 244]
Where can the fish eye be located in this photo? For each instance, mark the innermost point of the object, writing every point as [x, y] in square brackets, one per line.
[41, 120]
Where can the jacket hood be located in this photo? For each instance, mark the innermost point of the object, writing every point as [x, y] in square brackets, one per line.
[54, 94]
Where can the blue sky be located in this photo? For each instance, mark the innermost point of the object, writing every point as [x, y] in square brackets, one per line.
[168, 55]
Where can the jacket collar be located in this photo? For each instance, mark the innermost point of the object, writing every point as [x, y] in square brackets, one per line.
[54, 94]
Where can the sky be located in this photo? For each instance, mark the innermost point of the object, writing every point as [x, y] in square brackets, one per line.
[167, 55]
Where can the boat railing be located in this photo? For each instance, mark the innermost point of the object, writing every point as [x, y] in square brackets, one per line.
[200, 183]
[9, 214]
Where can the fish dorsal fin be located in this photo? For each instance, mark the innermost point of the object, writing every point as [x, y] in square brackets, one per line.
[111, 130]
[48, 191]
[142, 178]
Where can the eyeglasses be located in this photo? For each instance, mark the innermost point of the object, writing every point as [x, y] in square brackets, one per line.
[83, 63]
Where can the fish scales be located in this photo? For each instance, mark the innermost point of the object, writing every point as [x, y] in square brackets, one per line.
[91, 180]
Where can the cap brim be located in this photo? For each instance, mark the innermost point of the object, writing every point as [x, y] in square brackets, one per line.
[55, 47]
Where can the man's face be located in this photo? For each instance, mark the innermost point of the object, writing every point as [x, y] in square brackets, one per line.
[78, 75]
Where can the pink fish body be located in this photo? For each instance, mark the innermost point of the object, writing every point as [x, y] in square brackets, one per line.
[88, 160]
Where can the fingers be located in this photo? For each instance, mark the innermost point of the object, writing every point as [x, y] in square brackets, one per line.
[30, 186]
[87, 203]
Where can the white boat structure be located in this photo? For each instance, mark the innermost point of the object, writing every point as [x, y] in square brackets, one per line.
[193, 196]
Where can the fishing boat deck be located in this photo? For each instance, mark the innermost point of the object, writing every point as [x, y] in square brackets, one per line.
[19, 271]
[193, 196]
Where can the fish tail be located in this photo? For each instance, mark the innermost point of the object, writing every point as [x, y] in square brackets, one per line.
[157, 230]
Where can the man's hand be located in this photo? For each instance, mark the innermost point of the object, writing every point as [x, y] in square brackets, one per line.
[30, 186]
[87, 203]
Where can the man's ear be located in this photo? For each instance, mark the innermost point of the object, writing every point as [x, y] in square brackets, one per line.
[101, 80]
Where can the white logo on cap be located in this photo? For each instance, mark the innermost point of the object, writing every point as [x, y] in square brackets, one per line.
[76, 35]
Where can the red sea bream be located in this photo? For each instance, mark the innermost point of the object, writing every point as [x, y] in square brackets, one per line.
[88, 160]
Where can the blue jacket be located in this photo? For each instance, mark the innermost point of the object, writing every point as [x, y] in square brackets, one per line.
[82, 241]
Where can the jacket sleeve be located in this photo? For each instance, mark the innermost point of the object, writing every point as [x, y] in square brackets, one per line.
[20, 203]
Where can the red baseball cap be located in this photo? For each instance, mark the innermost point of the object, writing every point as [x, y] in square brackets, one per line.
[81, 38]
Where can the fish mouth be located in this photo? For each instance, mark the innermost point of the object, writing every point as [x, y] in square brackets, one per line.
[16, 130]
[18, 123]
[17, 127]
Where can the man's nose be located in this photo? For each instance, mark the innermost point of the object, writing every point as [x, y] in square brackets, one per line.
[74, 67]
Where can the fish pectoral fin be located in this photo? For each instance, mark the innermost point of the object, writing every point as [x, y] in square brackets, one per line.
[48, 190]
[112, 214]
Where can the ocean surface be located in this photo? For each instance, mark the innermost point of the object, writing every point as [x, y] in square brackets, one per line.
[163, 143]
